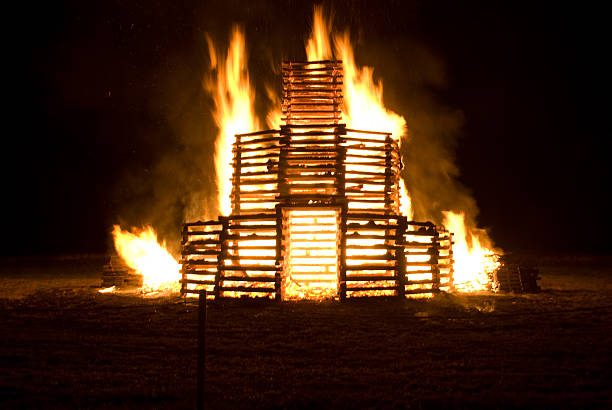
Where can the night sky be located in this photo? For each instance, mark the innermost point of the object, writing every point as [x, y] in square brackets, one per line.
[99, 94]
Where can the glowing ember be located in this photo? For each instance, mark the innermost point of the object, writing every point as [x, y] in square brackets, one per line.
[110, 289]
[234, 114]
[141, 251]
[473, 262]
[313, 255]
[363, 97]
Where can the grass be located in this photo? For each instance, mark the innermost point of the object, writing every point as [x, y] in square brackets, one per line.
[64, 345]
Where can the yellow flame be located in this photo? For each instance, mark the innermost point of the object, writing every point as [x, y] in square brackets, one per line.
[274, 116]
[141, 251]
[318, 46]
[234, 112]
[405, 201]
[363, 97]
[364, 108]
[473, 262]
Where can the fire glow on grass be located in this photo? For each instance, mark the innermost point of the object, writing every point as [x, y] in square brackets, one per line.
[141, 251]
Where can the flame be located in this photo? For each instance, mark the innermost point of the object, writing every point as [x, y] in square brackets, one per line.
[318, 46]
[233, 112]
[141, 251]
[363, 97]
[364, 108]
[474, 262]
[274, 116]
[405, 201]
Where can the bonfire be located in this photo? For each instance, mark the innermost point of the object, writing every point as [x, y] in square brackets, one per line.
[315, 207]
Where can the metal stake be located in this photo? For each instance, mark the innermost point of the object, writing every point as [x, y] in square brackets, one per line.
[201, 349]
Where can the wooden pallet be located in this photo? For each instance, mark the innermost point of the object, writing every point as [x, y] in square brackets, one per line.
[517, 278]
[116, 273]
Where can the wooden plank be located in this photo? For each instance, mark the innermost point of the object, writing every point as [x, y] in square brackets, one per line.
[253, 258]
[418, 291]
[248, 134]
[197, 281]
[420, 282]
[250, 279]
[203, 233]
[200, 223]
[242, 268]
[385, 257]
[188, 251]
[266, 148]
[362, 236]
[201, 263]
[369, 278]
[246, 289]
[370, 289]
[370, 267]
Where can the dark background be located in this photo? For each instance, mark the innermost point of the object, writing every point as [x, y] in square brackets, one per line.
[95, 93]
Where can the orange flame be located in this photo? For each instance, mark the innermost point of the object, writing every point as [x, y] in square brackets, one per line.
[234, 112]
[363, 97]
[141, 251]
[274, 115]
[318, 46]
[364, 108]
[474, 262]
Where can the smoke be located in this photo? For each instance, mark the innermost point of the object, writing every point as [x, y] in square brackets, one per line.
[434, 130]
[176, 180]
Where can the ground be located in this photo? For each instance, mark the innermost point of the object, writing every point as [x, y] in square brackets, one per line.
[64, 345]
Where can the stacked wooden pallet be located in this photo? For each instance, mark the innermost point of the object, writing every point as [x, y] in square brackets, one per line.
[255, 182]
[116, 273]
[312, 93]
[517, 278]
[200, 255]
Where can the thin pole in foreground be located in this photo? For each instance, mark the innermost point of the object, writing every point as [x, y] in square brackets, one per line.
[201, 348]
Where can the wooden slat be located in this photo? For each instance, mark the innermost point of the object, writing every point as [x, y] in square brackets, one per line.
[246, 289]
[249, 278]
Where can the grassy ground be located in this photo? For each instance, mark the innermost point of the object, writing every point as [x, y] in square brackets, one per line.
[65, 345]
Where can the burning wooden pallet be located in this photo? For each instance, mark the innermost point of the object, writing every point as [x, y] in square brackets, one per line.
[116, 273]
[315, 210]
